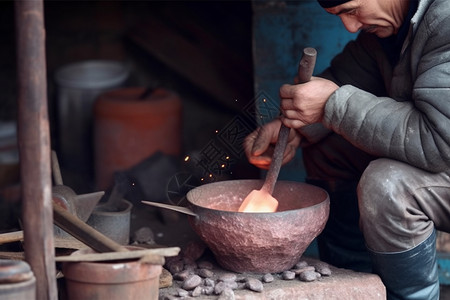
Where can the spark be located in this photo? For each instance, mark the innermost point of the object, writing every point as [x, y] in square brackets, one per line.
[186, 158]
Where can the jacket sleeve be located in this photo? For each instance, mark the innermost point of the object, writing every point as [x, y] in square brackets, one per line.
[415, 130]
[357, 65]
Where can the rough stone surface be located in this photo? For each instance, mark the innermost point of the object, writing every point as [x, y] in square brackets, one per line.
[258, 243]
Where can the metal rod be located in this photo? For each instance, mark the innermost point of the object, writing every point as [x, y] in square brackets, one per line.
[34, 146]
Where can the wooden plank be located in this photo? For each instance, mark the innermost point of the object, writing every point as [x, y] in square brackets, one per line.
[108, 256]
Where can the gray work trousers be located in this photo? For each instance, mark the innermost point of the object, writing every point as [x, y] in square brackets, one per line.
[399, 205]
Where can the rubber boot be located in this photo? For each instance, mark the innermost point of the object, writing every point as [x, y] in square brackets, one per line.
[412, 274]
[341, 243]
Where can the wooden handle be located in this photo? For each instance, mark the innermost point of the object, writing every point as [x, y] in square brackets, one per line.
[306, 65]
[305, 71]
[83, 232]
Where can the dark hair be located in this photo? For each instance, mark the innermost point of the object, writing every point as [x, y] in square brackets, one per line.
[331, 3]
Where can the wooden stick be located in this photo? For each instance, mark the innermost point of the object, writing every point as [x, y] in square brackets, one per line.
[145, 254]
[11, 237]
[83, 232]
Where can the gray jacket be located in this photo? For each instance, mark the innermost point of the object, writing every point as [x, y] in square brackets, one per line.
[400, 112]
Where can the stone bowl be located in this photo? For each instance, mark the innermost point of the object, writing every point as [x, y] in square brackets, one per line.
[258, 242]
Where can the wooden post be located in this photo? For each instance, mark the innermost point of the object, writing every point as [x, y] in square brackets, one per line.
[34, 146]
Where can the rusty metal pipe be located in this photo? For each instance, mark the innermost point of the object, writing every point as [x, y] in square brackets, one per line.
[34, 146]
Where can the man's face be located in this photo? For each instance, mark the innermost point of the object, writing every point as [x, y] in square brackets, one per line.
[380, 17]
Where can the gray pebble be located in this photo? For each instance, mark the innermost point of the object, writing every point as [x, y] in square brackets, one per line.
[204, 264]
[208, 282]
[301, 264]
[241, 285]
[220, 287]
[175, 266]
[323, 269]
[304, 269]
[208, 290]
[308, 276]
[254, 285]
[169, 297]
[192, 282]
[197, 292]
[228, 277]
[181, 276]
[288, 275]
[227, 294]
[144, 235]
[268, 278]
[182, 293]
[205, 273]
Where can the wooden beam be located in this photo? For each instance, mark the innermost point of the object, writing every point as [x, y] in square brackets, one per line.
[34, 146]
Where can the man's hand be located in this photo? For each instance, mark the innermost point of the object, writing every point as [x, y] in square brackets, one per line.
[259, 144]
[304, 104]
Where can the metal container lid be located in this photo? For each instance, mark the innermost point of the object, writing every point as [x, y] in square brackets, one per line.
[13, 271]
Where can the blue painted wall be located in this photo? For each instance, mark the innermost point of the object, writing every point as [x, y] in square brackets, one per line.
[280, 32]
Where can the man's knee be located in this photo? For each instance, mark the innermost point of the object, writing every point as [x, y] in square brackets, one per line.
[381, 199]
[381, 180]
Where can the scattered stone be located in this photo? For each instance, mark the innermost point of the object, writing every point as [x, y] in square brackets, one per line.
[268, 278]
[228, 277]
[254, 284]
[240, 285]
[169, 297]
[301, 264]
[209, 282]
[143, 235]
[288, 275]
[192, 282]
[220, 287]
[204, 264]
[205, 273]
[182, 293]
[165, 279]
[227, 294]
[175, 266]
[304, 269]
[208, 290]
[323, 268]
[181, 276]
[308, 276]
[231, 284]
[197, 292]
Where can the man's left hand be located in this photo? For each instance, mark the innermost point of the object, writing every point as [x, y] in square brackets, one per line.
[304, 104]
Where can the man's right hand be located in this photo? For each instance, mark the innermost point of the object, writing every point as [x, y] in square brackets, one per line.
[259, 144]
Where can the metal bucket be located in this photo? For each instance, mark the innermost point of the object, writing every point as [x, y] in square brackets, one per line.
[78, 85]
[17, 281]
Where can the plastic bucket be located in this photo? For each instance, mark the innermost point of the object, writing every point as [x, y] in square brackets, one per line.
[78, 85]
[129, 128]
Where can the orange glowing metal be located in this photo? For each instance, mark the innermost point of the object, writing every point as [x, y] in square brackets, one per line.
[262, 200]
[259, 201]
